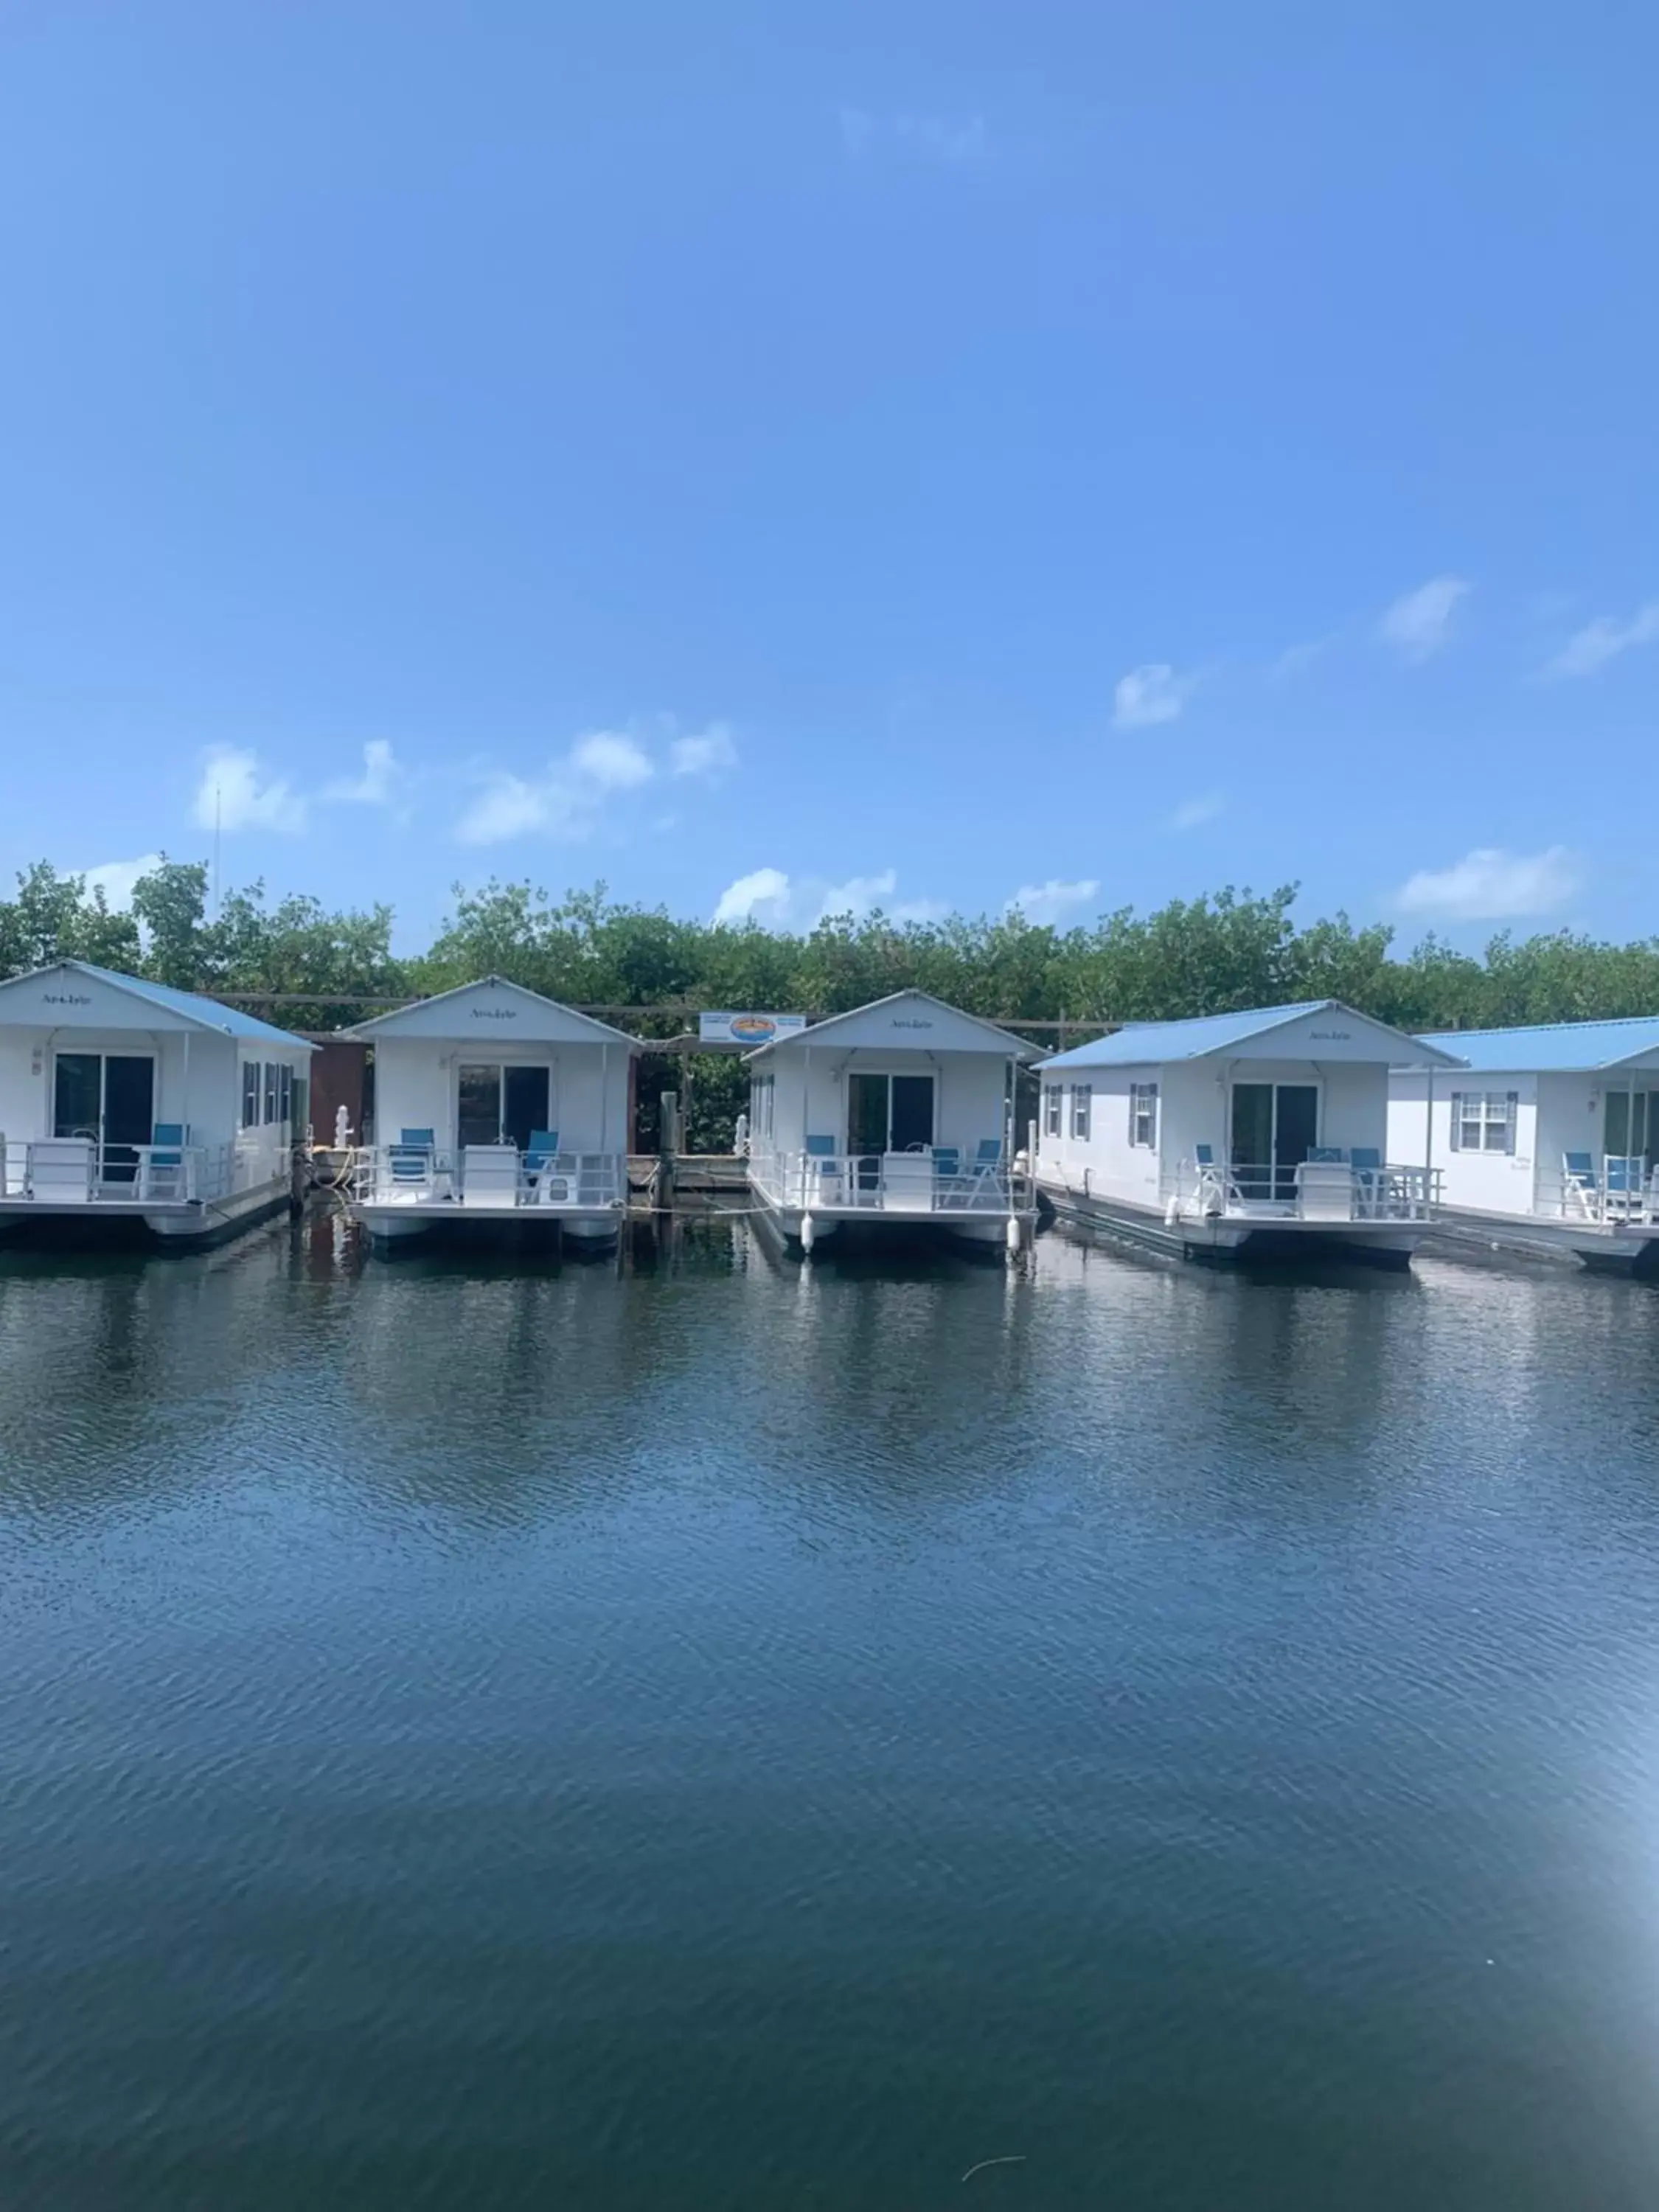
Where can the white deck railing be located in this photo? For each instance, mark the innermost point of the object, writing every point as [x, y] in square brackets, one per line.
[1317, 1190]
[490, 1174]
[78, 1170]
[1615, 1190]
[885, 1182]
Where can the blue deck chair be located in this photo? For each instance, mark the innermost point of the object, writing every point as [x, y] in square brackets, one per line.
[1624, 1173]
[1578, 1181]
[823, 1170]
[540, 1151]
[166, 1162]
[989, 1154]
[1366, 1161]
[1215, 1185]
[947, 1160]
[411, 1158]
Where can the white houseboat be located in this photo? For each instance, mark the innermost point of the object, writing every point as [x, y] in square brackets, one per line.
[898, 1116]
[1253, 1135]
[494, 1110]
[1546, 1141]
[125, 1101]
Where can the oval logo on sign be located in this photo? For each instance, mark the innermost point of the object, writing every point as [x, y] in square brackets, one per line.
[753, 1029]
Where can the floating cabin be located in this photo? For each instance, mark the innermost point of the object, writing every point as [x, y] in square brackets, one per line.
[1260, 1135]
[897, 1117]
[125, 1104]
[1546, 1141]
[496, 1110]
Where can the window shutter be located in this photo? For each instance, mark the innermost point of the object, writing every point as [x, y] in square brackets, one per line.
[1134, 1103]
[1511, 1103]
[1457, 1120]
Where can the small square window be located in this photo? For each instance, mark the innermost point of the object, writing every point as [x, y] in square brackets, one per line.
[1143, 1115]
[1483, 1122]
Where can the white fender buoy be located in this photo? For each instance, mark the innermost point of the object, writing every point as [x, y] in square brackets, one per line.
[1172, 1213]
[808, 1231]
[1014, 1234]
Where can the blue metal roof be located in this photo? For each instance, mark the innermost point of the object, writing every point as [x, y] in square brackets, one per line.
[1562, 1047]
[208, 1011]
[1140, 1044]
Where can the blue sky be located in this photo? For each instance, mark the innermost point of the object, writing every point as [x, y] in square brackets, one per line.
[765, 456]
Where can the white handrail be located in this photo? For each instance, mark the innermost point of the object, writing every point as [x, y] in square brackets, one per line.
[568, 1181]
[894, 1183]
[1315, 1190]
[1619, 1188]
[80, 1171]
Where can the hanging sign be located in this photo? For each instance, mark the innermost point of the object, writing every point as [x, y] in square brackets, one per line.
[751, 1030]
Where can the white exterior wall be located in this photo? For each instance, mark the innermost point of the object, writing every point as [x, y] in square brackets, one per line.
[1104, 1161]
[198, 1083]
[1572, 1118]
[262, 1149]
[810, 1091]
[1483, 1182]
[417, 1086]
[1194, 1107]
[24, 1098]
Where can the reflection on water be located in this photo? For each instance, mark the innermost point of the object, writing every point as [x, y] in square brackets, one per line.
[691, 1728]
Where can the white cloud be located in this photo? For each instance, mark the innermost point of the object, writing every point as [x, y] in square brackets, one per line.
[117, 878]
[1053, 901]
[375, 786]
[709, 752]
[1420, 624]
[1604, 639]
[507, 806]
[1489, 885]
[1296, 660]
[944, 141]
[231, 795]
[764, 895]
[1192, 813]
[610, 760]
[565, 802]
[782, 901]
[858, 896]
[1151, 693]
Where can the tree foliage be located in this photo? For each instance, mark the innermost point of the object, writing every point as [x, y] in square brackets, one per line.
[1192, 956]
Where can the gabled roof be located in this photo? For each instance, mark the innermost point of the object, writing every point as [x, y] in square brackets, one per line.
[1149, 1044]
[1553, 1048]
[996, 1040]
[189, 1005]
[389, 1024]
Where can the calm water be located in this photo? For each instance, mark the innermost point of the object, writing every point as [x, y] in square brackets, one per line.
[718, 1735]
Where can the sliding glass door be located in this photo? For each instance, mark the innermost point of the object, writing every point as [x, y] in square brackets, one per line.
[889, 1113]
[109, 1096]
[1629, 1130]
[502, 1105]
[886, 1113]
[1274, 1128]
